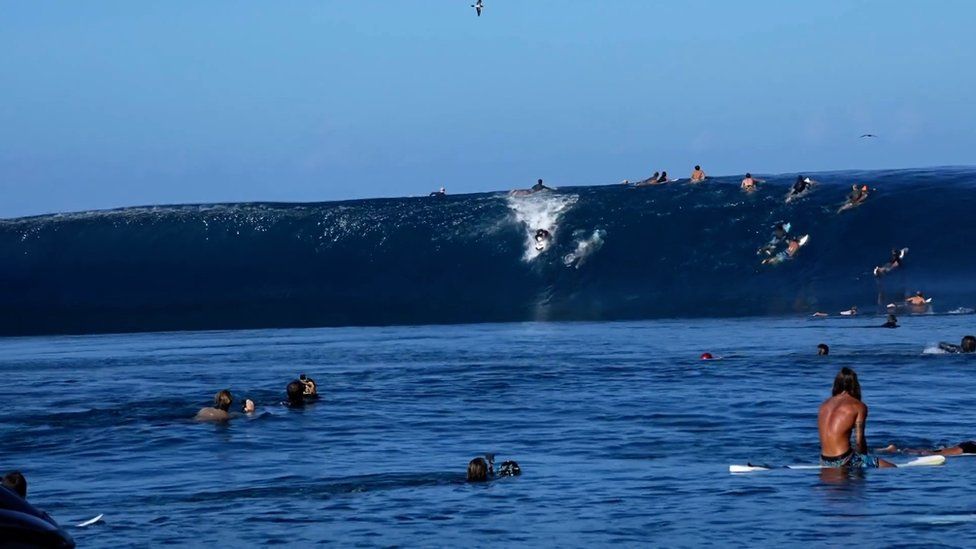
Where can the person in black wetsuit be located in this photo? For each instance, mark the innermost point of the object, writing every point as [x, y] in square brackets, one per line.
[801, 184]
[663, 178]
[892, 322]
[967, 345]
[439, 194]
[893, 263]
[23, 525]
[540, 187]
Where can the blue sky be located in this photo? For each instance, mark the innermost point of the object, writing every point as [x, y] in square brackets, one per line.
[107, 104]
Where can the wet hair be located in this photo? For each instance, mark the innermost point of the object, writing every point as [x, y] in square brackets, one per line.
[540, 182]
[823, 349]
[223, 400]
[296, 393]
[749, 175]
[846, 382]
[968, 344]
[477, 470]
[16, 482]
[697, 167]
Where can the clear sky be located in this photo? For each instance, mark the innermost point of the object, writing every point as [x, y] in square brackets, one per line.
[107, 104]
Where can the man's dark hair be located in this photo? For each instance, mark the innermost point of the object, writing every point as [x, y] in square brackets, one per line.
[823, 349]
[697, 167]
[846, 382]
[477, 470]
[296, 393]
[16, 483]
[968, 344]
[223, 400]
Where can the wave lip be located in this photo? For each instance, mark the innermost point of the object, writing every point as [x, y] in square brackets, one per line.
[616, 252]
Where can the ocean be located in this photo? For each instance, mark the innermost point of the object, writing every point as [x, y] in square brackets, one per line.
[623, 435]
[437, 333]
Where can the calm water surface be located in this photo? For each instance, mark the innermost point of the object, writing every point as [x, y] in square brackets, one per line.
[622, 434]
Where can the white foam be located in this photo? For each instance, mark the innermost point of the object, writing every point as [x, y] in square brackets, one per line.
[540, 210]
[585, 247]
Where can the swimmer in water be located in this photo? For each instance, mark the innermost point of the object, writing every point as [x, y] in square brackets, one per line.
[219, 412]
[482, 469]
[892, 322]
[967, 345]
[823, 349]
[439, 194]
[698, 175]
[296, 394]
[248, 407]
[663, 178]
[652, 180]
[540, 187]
[542, 235]
[16, 483]
[749, 183]
[311, 391]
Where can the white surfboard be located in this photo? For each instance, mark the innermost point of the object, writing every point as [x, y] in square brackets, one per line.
[924, 461]
[89, 522]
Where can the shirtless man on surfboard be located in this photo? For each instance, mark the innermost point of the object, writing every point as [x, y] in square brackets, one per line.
[840, 414]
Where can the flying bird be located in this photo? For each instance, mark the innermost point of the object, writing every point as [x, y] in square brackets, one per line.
[478, 6]
[863, 135]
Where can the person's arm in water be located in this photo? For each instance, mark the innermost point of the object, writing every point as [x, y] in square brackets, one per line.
[859, 429]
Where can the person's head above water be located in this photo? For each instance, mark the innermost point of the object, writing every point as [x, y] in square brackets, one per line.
[296, 393]
[248, 407]
[697, 167]
[823, 349]
[968, 344]
[16, 483]
[223, 400]
[540, 182]
[707, 356]
[477, 470]
[748, 176]
[846, 382]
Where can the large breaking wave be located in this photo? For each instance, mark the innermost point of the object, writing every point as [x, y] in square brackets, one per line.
[617, 253]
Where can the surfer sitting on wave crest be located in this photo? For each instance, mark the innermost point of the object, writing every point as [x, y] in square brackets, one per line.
[839, 415]
[698, 175]
[482, 469]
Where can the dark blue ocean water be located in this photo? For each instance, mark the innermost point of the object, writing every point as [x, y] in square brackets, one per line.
[623, 435]
[618, 253]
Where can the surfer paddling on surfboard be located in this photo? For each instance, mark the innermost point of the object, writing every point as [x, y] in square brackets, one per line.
[749, 183]
[967, 447]
[840, 414]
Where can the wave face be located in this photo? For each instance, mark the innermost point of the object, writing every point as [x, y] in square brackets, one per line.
[616, 253]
